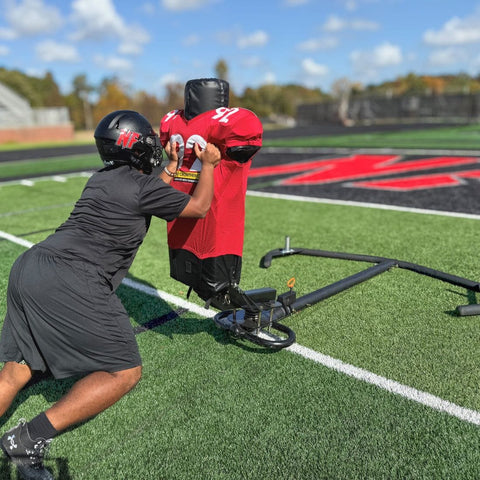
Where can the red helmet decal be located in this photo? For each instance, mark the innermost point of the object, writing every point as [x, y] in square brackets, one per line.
[127, 139]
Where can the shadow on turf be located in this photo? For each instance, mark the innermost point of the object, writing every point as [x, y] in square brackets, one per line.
[9, 471]
[186, 325]
[470, 299]
[52, 390]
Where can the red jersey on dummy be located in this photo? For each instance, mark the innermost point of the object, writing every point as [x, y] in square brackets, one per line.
[221, 232]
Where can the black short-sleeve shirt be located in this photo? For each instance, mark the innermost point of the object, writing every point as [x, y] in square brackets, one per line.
[112, 217]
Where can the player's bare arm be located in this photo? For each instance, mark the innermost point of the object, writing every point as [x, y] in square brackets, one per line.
[201, 200]
[168, 172]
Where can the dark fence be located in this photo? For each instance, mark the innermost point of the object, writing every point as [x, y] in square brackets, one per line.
[408, 108]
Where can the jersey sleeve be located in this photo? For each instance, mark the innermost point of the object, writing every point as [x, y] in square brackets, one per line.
[161, 200]
[165, 126]
[237, 127]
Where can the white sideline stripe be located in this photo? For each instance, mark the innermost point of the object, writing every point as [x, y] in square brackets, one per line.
[295, 198]
[349, 203]
[14, 239]
[59, 178]
[179, 302]
[133, 284]
[423, 398]
[369, 150]
[54, 178]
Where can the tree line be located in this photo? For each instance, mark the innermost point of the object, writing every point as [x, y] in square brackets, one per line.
[89, 103]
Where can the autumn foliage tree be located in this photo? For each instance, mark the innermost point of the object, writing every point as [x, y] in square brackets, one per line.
[88, 103]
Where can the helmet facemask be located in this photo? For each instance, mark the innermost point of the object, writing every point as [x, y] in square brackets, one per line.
[147, 153]
[126, 137]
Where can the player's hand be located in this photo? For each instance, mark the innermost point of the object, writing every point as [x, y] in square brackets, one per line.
[172, 151]
[209, 156]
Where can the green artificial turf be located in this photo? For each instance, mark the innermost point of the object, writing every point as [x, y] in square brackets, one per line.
[212, 407]
[461, 137]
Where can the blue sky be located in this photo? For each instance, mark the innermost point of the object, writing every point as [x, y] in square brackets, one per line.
[149, 43]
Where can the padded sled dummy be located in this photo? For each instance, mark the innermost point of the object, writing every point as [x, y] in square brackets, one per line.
[206, 254]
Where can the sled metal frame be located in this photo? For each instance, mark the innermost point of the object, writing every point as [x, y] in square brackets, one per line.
[383, 264]
[260, 305]
[252, 316]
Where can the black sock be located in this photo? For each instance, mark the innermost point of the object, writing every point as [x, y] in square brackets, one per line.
[40, 427]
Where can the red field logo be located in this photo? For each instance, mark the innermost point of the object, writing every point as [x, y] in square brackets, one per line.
[363, 171]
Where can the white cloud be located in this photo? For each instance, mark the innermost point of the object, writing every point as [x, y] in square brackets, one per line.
[50, 51]
[367, 64]
[360, 24]
[7, 34]
[456, 31]
[98, 19]
[4, 50]
[256, 39]
[252, 62]
[32, 17]
[95, 19]
[167, 79]
[446, 56]
[133, 44]
[315, 44]
[311, 68]
[351, 5]
[178, 5]
[112, 63]
[269, 78]
[35, 72]
[384, 55]
[335, 23]
[295, 3]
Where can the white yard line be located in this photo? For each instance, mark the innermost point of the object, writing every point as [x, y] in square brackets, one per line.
[295, 198]
[348, 203]
[369, 150]
[30, 182]
[14, 239]
[418, 396]
[255, 193]
[424, 398]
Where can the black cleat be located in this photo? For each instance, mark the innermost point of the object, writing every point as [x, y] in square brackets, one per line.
[26, 454]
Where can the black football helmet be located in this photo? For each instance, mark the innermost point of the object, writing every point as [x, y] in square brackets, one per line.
[125, 137]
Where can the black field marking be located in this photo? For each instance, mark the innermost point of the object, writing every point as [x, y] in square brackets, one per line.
[155, 322]
[460, 198]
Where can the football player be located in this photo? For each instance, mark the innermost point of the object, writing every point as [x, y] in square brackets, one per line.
[63, 314]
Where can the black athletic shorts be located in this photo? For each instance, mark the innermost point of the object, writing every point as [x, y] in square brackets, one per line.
[62, 315]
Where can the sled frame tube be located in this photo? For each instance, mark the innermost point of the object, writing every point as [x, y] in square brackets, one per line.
[383, 264]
